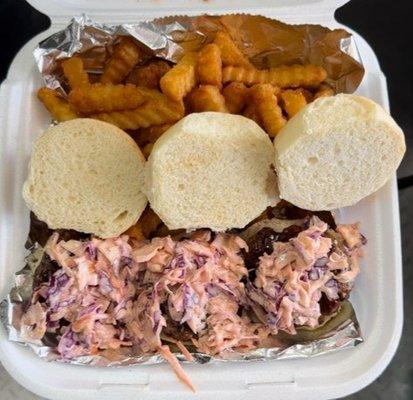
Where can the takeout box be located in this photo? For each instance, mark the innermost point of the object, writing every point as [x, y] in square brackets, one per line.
[377, 296]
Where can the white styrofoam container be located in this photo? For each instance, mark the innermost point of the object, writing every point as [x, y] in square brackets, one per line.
[377, 296]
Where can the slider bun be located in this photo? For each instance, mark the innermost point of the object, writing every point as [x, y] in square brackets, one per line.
[211, 170]
[86, 175]
[336, 151]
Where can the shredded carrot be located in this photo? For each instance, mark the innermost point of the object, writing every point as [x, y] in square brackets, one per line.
[166, 353]
[184, 351]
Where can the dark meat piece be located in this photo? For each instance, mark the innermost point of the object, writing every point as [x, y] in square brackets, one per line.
[44, 271]
[290, 232]
[328, 306]
[259, 244]
[174, 329]
[286, 210]
[262, 242]
[39, 233]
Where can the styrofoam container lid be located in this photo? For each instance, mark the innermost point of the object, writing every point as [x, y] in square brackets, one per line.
[62, 10]
[377, 296]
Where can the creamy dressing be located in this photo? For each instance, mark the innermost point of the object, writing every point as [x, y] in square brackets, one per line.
[117, 292]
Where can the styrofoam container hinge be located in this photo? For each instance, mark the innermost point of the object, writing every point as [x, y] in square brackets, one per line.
[60, 11]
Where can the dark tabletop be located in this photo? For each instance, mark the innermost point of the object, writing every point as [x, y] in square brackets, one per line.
[387, 25]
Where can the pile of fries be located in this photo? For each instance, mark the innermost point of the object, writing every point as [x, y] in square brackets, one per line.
[145, 96]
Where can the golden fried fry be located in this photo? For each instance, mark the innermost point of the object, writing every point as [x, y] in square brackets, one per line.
[94, 77]
[135, 231]
[147, 150]
[74, 72]
[297, 75]
[235, 95]
[149, 75]
[307, 94]
[209, 66]
[265, 101]
[150, 134]
[277, 91]
[149, 222]
[105, 97]
[157, 110]
[293, 101]
[57, 106]
[252, 113]
[324, 91]
[181, 79]
[125, 56]
[207, 98]
[248, 76]
[283, 76]
[230, 53]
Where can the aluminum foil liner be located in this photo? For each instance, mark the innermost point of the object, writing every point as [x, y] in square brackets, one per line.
[267, 43]
[340, 332]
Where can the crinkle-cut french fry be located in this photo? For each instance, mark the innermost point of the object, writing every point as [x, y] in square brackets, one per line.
[296, 75]
[251, 112]
[282, 76]
[235, 94]
[248, 76]
[150, 134]
[157, 110]
[124, 58]
[293, 101]
[149, 75]
[277, 90]
[324, 91]
[265, 101]
[105, 97]
[207, 98]
[75, 74]
[307, 94]
[209, 65]
[181, 79]
[149, 222]
[135, 231]
[230, 53]
[58, 107]
[147, 150]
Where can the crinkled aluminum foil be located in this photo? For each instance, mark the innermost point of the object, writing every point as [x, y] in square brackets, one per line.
[341, 332]
[267, 43]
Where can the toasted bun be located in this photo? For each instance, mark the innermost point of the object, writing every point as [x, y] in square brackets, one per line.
[336, 151]
[211, 170]
[86, 175]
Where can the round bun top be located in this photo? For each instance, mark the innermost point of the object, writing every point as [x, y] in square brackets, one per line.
[336, 151]
[86, 175]
[211, 170]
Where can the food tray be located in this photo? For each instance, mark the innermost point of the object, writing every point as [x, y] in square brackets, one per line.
[377, 296]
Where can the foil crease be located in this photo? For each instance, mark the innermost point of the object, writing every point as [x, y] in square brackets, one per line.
[341, 332]
[267, 43]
